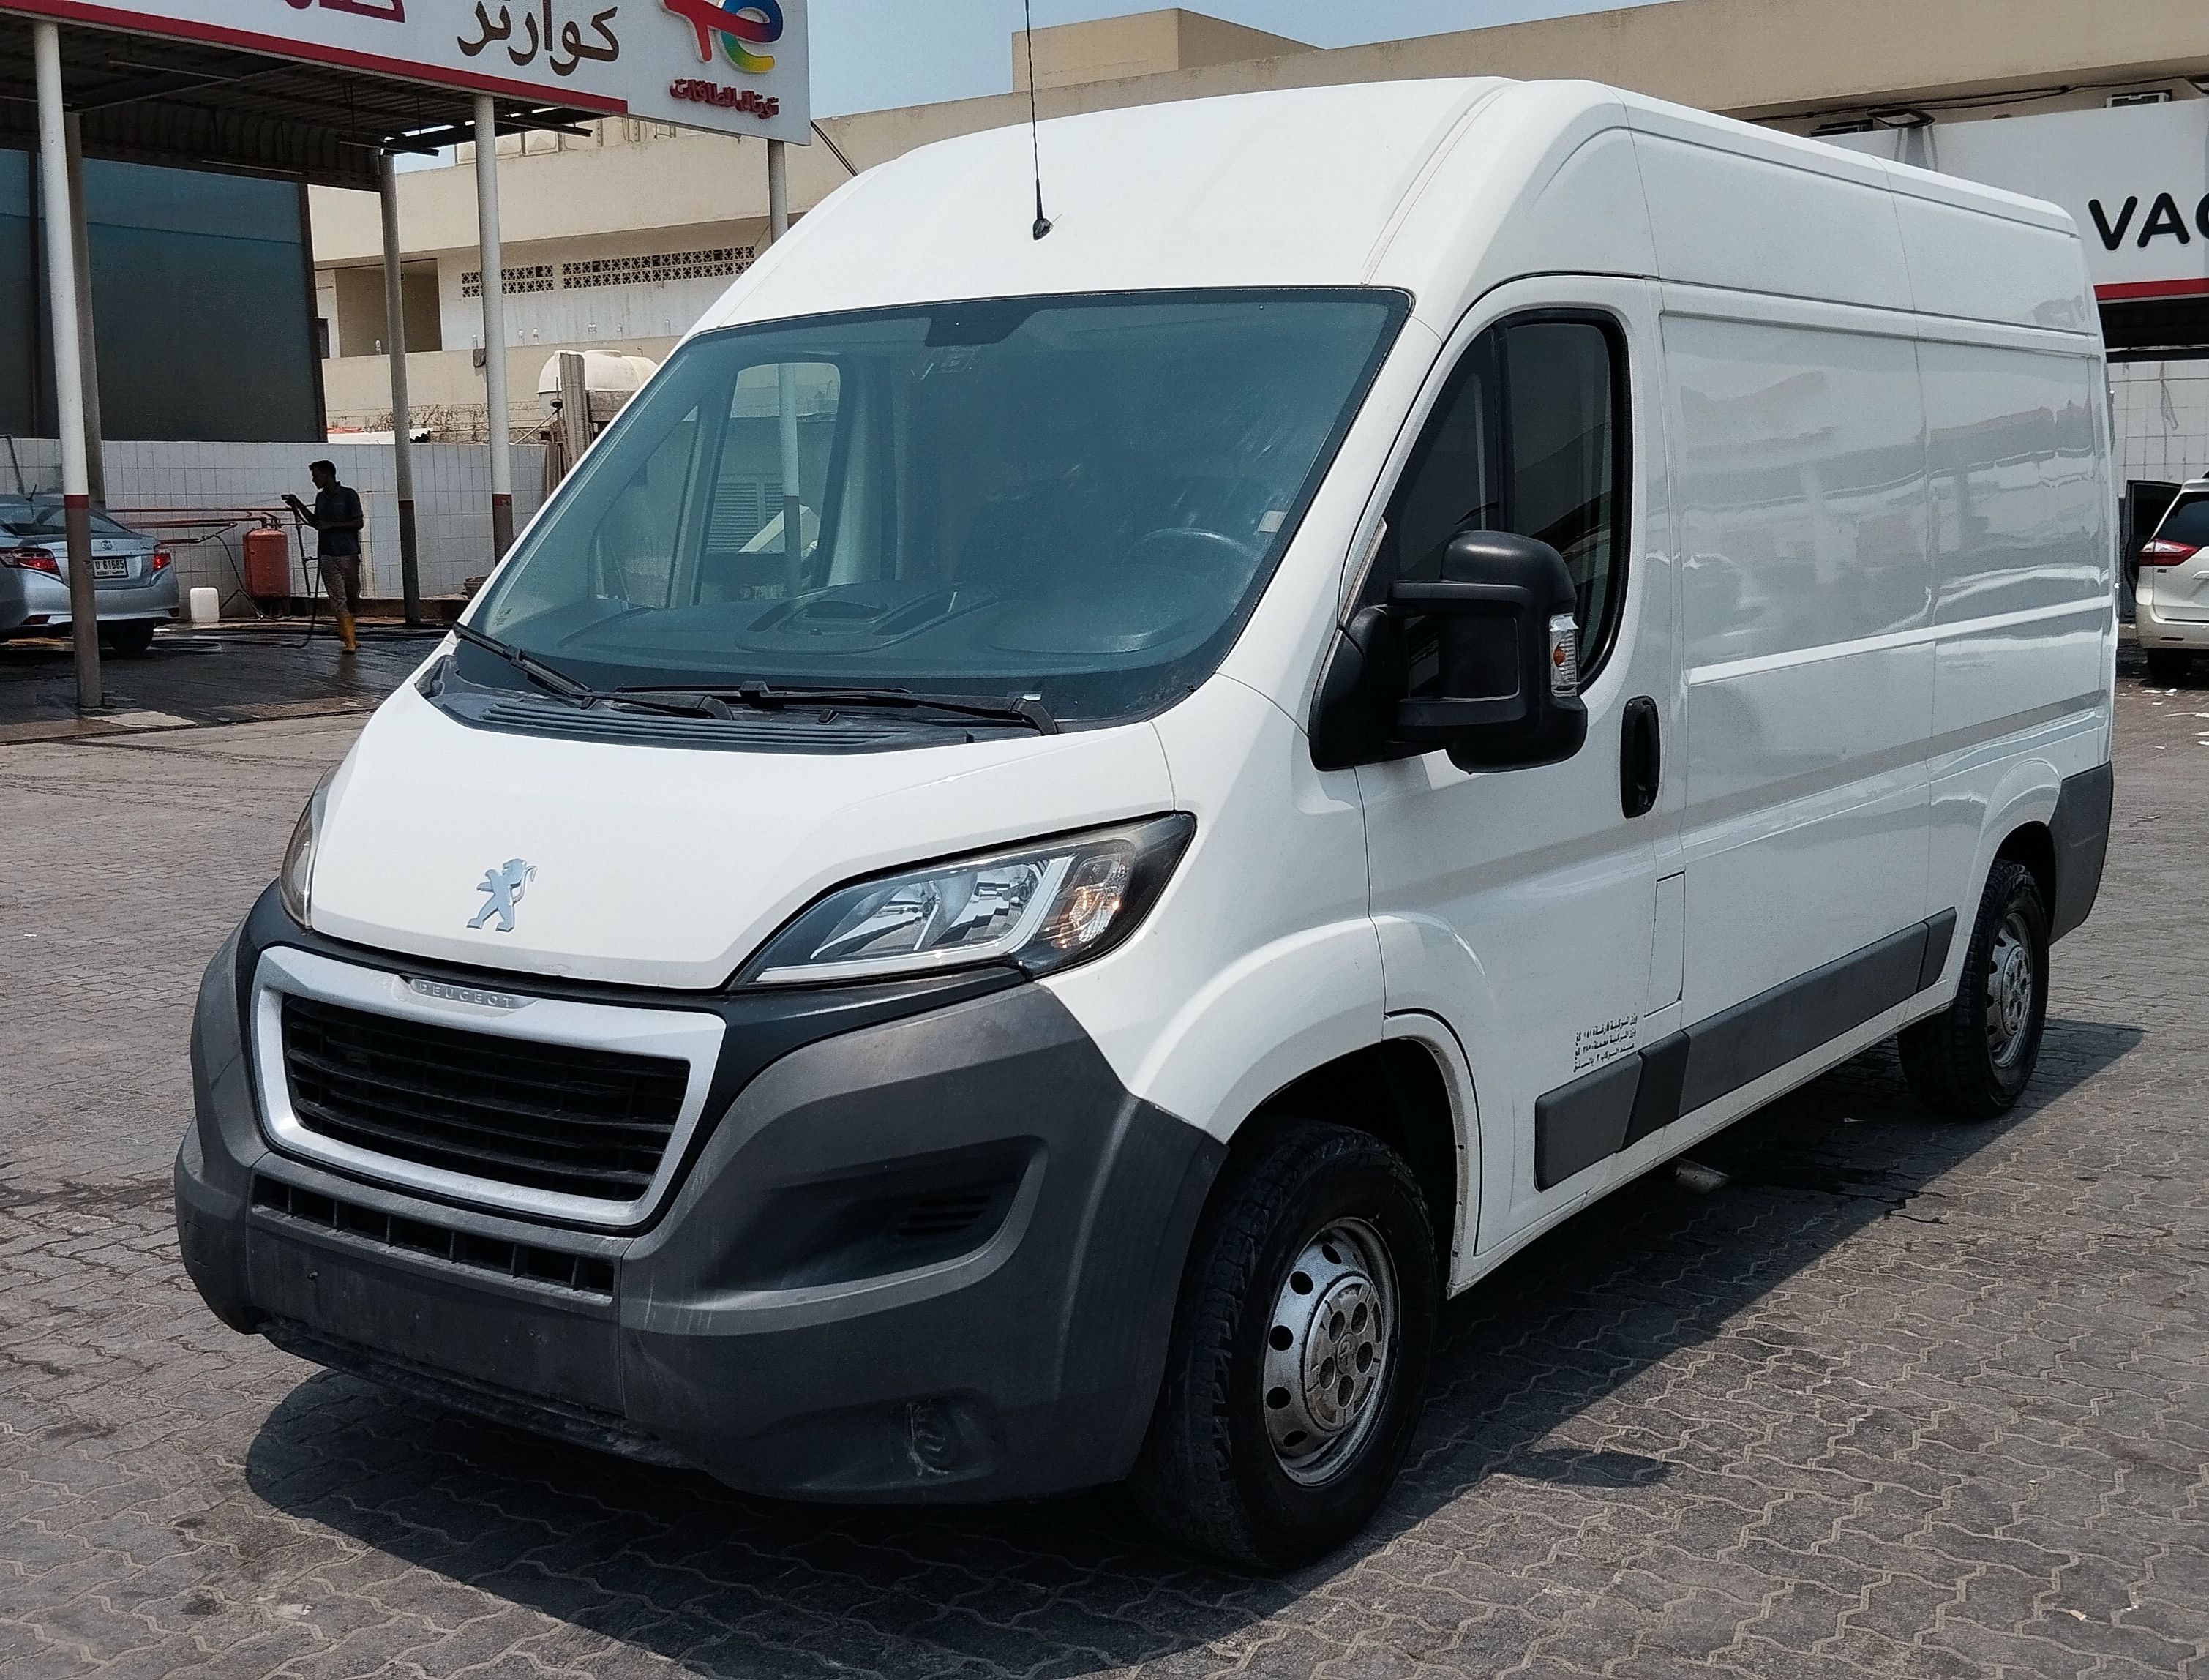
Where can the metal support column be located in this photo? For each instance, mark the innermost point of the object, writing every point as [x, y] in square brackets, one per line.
[402, 419]
[494, 317]
[777, 190]
[69, 372]
[87, 335]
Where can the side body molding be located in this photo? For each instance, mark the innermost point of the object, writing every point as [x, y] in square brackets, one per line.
[1626, 1100]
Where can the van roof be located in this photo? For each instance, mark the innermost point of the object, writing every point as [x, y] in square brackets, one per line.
[1439, 187]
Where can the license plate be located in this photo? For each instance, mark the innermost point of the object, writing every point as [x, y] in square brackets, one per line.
[110, 565]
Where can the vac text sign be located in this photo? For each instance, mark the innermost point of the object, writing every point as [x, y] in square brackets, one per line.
[739, 67]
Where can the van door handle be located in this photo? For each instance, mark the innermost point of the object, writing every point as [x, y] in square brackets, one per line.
[1640, 757]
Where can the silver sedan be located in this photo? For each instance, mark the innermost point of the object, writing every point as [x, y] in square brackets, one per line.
[134, 580]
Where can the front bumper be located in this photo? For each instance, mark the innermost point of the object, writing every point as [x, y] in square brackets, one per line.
[765, 1327]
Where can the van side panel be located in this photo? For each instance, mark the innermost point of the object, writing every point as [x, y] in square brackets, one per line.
[1544, 179]
[1764, 225]
[1800, 465]
[1973, 265]
[2021, 542]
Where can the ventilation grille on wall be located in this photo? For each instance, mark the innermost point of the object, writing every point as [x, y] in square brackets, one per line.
[670, 265]
[665, 265]
[532, 277]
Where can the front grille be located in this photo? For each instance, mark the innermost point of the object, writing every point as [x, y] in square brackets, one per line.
[587, 1274]
[587, 1123]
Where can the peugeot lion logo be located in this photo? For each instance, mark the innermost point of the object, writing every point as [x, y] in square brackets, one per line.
[505, 885]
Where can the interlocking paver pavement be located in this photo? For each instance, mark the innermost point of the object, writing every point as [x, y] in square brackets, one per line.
[1900, 1399]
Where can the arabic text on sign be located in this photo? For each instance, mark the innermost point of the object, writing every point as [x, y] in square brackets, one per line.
[561, 52]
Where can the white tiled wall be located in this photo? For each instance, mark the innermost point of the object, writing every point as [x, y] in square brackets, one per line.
[2161, 419]
[452, 500]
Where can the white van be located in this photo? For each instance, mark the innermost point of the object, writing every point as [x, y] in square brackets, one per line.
[1059, 833]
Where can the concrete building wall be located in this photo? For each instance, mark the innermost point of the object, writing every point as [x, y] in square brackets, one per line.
[352, 302]
[445, 389]
[572, 291]
[1145, 43]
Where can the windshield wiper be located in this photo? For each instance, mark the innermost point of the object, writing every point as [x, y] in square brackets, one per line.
[552, 677]
[544, 676]
[1021, 709]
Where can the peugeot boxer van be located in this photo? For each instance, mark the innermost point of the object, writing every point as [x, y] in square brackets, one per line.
[1063, 831]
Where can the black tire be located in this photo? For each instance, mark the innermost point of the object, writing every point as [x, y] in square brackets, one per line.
[129, 641]
[1211, 1475]
[1969, 1062]
[2167, 667]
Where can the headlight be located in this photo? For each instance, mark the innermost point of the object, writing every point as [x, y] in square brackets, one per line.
[1039, 907]
[296, 878]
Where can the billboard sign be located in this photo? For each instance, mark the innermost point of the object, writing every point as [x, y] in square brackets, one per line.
[2135, 178]
[734, 66]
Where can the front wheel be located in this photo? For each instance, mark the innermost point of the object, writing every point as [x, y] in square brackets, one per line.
[1299, 1356]
[1972, 1061]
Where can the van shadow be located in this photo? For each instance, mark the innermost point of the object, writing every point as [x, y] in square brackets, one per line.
[727, 1585]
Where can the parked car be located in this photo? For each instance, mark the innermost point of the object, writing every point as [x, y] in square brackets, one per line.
[2173, 590]
[134, 581]
[1387, 673]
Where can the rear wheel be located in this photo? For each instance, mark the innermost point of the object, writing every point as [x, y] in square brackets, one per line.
[1299, 1356]
[2167, 667]
[129, 641]
[1972, 1061]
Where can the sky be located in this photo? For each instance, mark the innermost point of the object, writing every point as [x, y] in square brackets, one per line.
[869, 55]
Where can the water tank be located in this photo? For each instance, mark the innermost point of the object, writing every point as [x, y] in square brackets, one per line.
[268, 564]
[612, 380]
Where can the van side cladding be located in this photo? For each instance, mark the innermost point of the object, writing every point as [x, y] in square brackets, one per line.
[1045, 847]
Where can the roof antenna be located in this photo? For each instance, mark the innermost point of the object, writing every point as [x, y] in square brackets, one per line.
[1035, 145]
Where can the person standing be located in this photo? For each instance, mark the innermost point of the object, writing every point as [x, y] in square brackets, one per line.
[337, 519]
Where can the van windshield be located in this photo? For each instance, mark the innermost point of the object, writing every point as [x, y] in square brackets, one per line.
[1073, 498]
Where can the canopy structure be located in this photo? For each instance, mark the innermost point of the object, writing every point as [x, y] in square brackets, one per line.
[186, 104]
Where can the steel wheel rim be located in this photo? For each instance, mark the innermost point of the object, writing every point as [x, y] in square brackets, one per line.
[1330, 1351]
[2010, 984]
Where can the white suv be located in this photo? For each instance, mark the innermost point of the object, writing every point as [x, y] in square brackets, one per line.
[2174, 586]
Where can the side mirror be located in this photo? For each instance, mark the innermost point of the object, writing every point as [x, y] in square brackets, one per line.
[1507, 658]
[1507, 654]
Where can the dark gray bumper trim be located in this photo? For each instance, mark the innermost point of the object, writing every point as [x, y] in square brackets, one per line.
[582, 1425]
[2080, 831]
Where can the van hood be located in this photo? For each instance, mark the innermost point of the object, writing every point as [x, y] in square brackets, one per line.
[669, 867]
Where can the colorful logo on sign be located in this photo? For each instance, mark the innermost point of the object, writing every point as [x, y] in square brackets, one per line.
[739, 22]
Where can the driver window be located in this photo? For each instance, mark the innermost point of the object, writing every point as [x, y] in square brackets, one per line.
[1524, 439]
